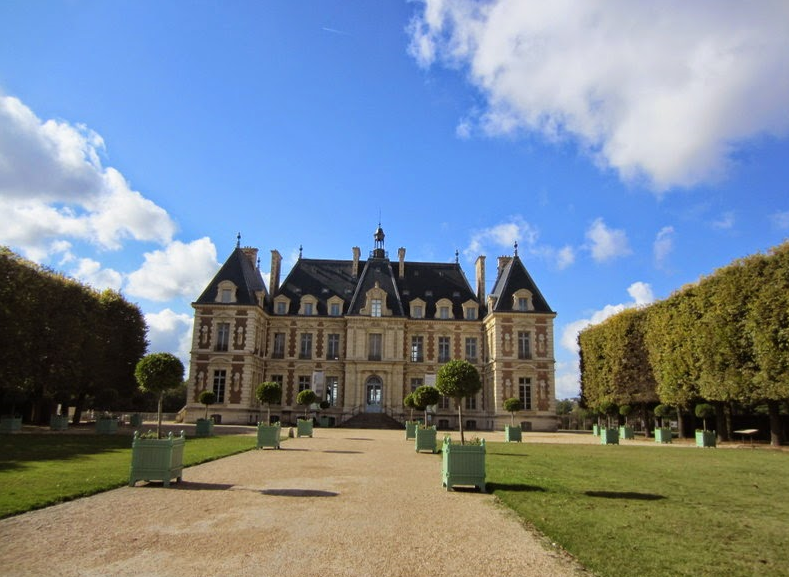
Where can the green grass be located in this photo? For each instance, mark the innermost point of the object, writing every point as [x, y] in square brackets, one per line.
[651, 511]
[39, 470]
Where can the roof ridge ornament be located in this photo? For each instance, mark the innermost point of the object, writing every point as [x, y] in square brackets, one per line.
[516, 248]
[238, 240]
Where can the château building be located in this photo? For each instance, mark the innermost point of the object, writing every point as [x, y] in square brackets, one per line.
[363, 333]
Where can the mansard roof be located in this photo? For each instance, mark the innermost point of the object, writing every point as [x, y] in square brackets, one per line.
[513, 277]
[322, 279]
[242, 271]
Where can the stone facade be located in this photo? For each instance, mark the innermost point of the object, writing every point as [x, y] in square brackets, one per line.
[364, 334]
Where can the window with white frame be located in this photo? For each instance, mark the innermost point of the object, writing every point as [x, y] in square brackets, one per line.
[305, 348]
[416, 382]
[335, 309]
[375, 308]
[471, 349]
[444, 354]
[375, 345]
[524, 344]
[417, 349]
[524, 392]
[278, 350]
[222, 336]
[333, 346]
[332, 390]
[305, 382]
[220, 377]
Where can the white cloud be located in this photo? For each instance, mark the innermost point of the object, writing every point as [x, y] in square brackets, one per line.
[180, 270]
[170, 332]
[662, 91]
[780, 220]
[565, 257]
[568, 384]
[725, 222]
[663, 245]
[90, 272]
[641, 293]
[607, 243]
[53, 187]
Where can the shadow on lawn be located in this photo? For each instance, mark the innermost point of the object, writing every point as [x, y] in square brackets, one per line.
[514, 487]
[624, 495]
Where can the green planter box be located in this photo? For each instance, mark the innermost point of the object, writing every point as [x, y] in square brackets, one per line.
[106, 426]
[609, 436]
[157, 459]
[58, 422]
[304, 428]
[512, 434]
[135, 420]
[425, 439]
[268, 436]
[663, 435]
[626, 433]
[705, 439]
[204, 428]
[10, 424]
[323, 421]
[463, 465]
[596, 430]
[410, 429]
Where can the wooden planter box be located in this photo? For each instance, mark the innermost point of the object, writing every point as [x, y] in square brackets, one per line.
[106, 426]
[323, 421]
[425, 439]
[304, 428]
[463, 465]
[410, 429]
[135, 420]
[512, 434]
[609, 436]
[626, 433]
[157, 459]
[705, 439]
[204, 428]
[268, 436]
[10, 424]
[58, 422]
[596, 430]
[663, 435]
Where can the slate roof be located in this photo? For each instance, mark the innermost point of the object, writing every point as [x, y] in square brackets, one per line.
[513, 277]
[240, 270]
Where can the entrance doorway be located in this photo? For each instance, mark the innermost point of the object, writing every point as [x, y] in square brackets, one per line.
[374, 396]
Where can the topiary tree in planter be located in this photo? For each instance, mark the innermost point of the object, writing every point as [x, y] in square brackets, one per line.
[424, 397]
[705, 438]
[157, 373]
[625, 431]
[607, 409]
[512, 406]
[458, 379]
[410, 403]
[306, 398]
[267, 393]
[663, 433]
[207, 398]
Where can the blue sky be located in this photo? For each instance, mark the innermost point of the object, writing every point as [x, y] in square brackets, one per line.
[628, 147]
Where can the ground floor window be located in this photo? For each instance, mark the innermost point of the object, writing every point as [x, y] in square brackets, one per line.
[220, 377]
[305, 382]
[416, 382]
[524, 392]
[332, 390]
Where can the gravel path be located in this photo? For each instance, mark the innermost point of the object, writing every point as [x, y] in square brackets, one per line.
[347, 502]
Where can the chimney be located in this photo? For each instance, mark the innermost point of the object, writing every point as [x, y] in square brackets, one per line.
[401, 256]
[480, 268]
[276, 261]
[503, 262]
[251, 254]
[357, 253]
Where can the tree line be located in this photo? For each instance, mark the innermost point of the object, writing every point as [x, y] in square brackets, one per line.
[65, 343]
[723, 340]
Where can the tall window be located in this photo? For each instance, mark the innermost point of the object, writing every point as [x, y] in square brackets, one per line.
[222, 336]
[305, 382]
[375, 345]
[471, 314]
[227, 295]
[524, 392]
[443, 350]
[524, 345]
[416, 382]
[278, 352]
[332, 390]
[333, 347]
[308, 309]
[305, 349]
[471, 402]
[219, 385]
[281, 310]
[334, 310]
[443, 402]
[418, 312]
[376, 308]
[443, 312]
[417, 349]
[471, 349]
[523, 304]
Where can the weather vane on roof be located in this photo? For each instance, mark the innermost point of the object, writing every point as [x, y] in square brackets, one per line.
[238, 240]
[516, 248]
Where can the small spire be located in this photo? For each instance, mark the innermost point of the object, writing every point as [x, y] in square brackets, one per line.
[258, 265]
[457, 255]
[238, 240]
[516, 248]
[300, 251]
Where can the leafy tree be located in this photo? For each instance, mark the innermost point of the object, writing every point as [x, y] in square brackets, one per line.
[305, 398]
[458, 379]
[512, 406]
[705, 411]
[625, 411]
[607, 408]
[410, 403]
[157, 373]
[425, 396]
[663, 412]
[267, 393]
[207, 398]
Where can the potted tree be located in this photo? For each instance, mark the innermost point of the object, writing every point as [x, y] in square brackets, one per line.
[608, 435]
[58, 422]
[154, 458]
[106, 423]
[663, 433]
[458, 379]
[410, 426]
[705, 438]
[12, 423]
[304, 426]
[324, 419]
[625, 431]
[425, 435]
[205, 427]
[512, 432]
[268, 432]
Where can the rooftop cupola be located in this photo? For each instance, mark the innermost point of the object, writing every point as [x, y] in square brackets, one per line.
[378, 251]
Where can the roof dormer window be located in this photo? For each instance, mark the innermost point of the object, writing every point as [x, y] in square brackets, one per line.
[522, 301]
[226, 292]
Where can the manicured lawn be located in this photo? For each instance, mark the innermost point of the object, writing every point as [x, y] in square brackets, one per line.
[41, 470]
[652, 511]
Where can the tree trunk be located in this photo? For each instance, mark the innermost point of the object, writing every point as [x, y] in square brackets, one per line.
[720, 422]
[78, 408]
[680, 423]
[727, 413]
[460, 421]
[159, 416]
[776, 430]
[645, 421]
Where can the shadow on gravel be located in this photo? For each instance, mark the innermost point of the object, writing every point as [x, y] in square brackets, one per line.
[358, 439]
[345, 452]
[192, 486]
[514, 487]
[298, 493]
[626, 495]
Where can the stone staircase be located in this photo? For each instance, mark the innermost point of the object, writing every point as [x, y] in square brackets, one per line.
[372, 421]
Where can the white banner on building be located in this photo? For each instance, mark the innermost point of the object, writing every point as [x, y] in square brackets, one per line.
[430, 381]
[318, 383]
